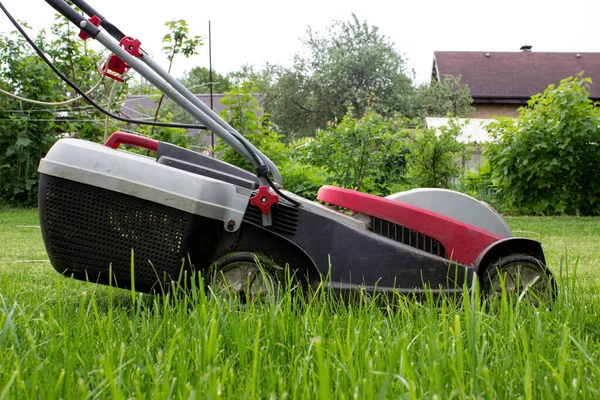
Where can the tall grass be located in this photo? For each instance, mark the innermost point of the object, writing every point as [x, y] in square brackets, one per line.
[61, 338]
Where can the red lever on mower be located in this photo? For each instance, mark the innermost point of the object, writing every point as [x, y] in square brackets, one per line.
[119, 138]
[117, 65]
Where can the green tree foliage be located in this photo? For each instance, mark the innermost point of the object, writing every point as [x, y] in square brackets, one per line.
[448, 97]
[353, 66]
[365, 154]
[28, 130]
[178, 41]
[480, 184]
[435, 156]
[548, 160]
[197, 80]
[372, 153]
[245, 114]
[262, 79]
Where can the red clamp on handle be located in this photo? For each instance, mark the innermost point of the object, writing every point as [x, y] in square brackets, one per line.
[94, 20]
[117, 65]
[264, 199]
[131, 45]
[119, 138]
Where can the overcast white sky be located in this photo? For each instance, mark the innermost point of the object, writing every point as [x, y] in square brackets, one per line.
[252, 32]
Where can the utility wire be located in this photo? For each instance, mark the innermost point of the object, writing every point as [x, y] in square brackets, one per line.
[54, 120]
[47, 110]
[52, 104]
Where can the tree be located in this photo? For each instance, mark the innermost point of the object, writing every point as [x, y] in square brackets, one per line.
[262, 79]
[547, 160]
[354, 66]
[246, 115]
[448, 97]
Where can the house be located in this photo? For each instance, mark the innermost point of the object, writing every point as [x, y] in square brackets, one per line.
[501, 82]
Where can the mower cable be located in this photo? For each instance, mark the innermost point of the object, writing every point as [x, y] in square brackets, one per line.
[81, 93]
[274, 187]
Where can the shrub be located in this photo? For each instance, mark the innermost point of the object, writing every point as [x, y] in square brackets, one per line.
[548, 160]
[29, 130]
[365, 154]
[435, 156]
[304, 180]
[480, 185]
[245, 114]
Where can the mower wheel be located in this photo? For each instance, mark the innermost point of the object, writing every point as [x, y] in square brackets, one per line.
[522, 275]
[245, 277]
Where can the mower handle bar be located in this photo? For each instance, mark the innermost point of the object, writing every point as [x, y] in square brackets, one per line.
[73, 16]
[171, 87]
[110, 28]
[119, 138]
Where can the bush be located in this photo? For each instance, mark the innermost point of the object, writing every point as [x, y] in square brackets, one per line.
[304, 180]
[435, 156]
[245, 114]
[548, 160]
[365, 154]
[29, 130]
[480, 185]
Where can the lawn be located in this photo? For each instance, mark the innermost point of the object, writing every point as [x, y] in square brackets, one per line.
[61, 338]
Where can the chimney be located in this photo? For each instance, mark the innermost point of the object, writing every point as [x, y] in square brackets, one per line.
[526, 48]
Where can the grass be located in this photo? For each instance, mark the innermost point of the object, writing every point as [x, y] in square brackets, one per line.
[61, 338]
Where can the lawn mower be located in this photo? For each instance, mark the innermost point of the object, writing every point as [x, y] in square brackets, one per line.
[110, 216]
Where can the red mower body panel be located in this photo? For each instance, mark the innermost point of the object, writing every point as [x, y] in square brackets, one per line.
[463, 242]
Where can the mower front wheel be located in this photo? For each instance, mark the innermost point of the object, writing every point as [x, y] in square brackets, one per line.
[245, 277]
[522, 275]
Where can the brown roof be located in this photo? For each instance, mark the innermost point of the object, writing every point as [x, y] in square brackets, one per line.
[513, 77]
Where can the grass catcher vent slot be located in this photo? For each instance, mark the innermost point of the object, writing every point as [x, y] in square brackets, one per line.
[408, 237]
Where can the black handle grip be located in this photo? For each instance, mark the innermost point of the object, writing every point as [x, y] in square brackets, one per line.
[73, 16]
[110, 28]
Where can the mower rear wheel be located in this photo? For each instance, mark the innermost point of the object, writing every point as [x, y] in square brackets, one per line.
[245, 277]
[521, 275]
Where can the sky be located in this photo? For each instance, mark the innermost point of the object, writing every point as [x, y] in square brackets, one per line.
[260, 31]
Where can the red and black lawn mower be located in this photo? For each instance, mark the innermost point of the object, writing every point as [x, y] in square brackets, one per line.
[184, 211]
